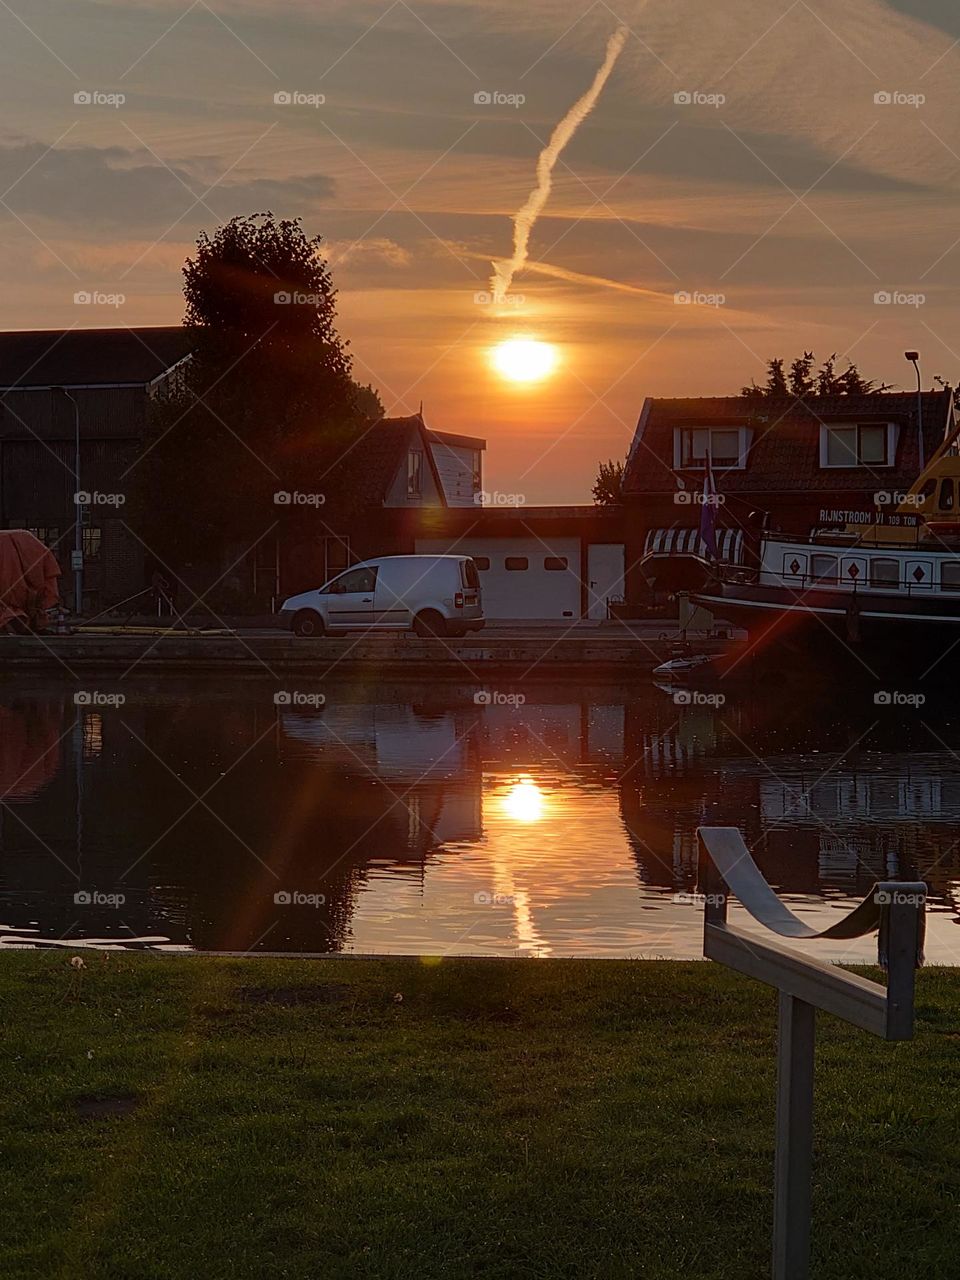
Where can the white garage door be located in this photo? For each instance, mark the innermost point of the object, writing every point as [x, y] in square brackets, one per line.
[520, 577]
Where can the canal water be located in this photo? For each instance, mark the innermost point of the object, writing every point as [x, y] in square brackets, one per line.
[444, 819]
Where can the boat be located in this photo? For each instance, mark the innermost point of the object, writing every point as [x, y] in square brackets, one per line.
[893, 582]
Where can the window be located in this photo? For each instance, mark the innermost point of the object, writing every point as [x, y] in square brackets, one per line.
[477, 478]
[555, 564]
[92, 540]
[516, 563]
[47, 534]
[950, 575]
[823, 568]
[884, 573]
[861, 444]
[414, 473]
[726, 446]
[482, 562]
[468, 575]
[354, 580]
[945, 501]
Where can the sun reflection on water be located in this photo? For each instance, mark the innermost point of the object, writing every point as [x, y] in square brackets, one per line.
[524, 802]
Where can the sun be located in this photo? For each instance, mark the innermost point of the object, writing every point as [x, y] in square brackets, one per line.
[524, 801]
[524, 359]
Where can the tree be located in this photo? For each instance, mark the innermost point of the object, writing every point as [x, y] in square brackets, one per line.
[804, 381]
[264, 406]
[608, 489]
[369, 404]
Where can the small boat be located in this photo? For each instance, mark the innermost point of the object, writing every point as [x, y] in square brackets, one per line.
[679, 667]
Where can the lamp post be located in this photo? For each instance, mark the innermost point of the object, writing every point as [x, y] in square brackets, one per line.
[914, 358]
[78, 522]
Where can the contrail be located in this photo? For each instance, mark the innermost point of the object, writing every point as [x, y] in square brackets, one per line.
[523, 221]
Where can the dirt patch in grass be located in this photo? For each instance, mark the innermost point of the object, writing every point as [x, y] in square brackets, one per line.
[91, 1107]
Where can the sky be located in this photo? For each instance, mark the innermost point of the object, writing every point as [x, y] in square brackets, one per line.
[755, 177]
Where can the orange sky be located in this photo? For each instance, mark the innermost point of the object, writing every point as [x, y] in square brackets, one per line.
[783, 166]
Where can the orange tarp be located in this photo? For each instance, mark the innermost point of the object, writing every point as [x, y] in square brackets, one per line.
[28, 579]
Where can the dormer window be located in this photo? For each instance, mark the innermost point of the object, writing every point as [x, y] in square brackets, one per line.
[857, 444]
[726, 446]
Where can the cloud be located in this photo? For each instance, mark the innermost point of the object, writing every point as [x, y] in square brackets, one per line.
[109, 187]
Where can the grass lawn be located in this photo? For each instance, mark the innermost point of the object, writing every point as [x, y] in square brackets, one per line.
[190, 1118]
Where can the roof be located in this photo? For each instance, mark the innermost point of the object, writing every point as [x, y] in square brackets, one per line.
[370, 465]
[89, 357]
[453, 441]
[784, 450]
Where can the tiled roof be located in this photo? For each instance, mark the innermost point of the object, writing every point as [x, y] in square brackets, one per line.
[785, 445]
[86, 357]
[369, 466]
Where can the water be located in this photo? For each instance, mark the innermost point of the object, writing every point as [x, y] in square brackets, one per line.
[406, 818]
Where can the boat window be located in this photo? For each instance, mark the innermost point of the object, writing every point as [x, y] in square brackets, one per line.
[555, 563]
[945, 502]
[516, 563]
[950, 575]
[884, 573]
[823, 568]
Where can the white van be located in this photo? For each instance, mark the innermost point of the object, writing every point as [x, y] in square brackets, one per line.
[433, 595]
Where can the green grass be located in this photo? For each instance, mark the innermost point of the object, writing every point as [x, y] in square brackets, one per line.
[504, 1119]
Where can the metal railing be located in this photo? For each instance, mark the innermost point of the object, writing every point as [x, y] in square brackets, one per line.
[895, 910]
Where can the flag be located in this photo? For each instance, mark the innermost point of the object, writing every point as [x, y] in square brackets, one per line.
[708, 511]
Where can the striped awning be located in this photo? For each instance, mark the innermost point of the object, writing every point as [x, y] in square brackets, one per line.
[682, 540]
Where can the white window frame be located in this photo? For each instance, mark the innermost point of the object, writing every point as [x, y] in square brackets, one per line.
[826, 427]
[743, 448]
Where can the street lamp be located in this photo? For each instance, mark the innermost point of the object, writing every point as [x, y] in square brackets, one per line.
[914, 358]
[78, 522]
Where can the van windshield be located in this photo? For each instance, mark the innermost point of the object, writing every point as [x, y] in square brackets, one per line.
[469, 575]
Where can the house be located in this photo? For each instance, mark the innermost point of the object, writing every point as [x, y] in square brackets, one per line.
[96, 385]
[798, 464]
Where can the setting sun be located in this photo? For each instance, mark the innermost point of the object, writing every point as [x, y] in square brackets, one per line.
[524, 801]
[524, 359]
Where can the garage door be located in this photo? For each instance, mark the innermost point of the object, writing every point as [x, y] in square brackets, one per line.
[520, 577]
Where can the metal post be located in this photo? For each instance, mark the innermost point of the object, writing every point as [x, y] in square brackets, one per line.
[78, 508]
[794, 1152]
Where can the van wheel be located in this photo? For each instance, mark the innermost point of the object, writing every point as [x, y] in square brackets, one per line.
[429, 623]
[307, 623]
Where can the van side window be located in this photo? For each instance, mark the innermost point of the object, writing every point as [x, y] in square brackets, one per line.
[354, 580]
[516, 563]
[469, 575]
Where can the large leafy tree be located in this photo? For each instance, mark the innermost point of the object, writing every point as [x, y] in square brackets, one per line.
[266, 402]
[804, 379]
